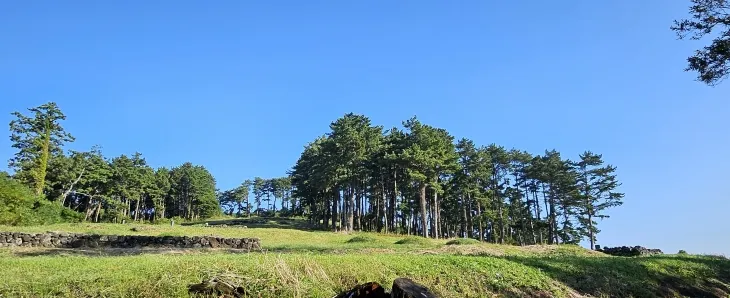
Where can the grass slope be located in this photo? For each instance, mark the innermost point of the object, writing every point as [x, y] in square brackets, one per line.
[300, 263]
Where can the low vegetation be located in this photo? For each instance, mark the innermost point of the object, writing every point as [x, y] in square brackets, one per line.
[462, 241]
[19, 206]
[362, 239]
[301, 263]
[412, 240]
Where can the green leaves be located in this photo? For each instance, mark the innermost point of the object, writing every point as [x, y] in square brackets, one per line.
[708, 17]
[37, 138]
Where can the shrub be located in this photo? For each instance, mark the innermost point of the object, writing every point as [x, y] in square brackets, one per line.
[413, 240]
[162, 221]
[682, 252]
[19, 206]
[462, 241]
[362, 239]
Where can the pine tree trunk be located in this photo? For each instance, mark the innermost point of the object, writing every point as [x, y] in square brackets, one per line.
[351, 210]
[529, 216]
[424, 214]
[537, 214]
[501, 220]
[358, 210]
[481, 225]
[463, 218]
[326, 211]
[383, 207]
[590, 230]
[393, 203]
[335, 202]
[98, 210]
[248, 207]
[435, 215]
[469, 217]
[136, 210]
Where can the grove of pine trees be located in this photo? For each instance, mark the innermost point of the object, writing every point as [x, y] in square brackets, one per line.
[418, 180]
[101, 188]
[414, 180]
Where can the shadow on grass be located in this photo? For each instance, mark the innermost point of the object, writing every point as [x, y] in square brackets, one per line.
[260, 222]
[656, 276]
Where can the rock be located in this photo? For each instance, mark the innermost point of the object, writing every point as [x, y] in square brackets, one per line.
[18, 241]
[78, 243]
[406, 288]
[220, 286]
[46, 241]
[367, 290]
[204, 242]
[214, 242]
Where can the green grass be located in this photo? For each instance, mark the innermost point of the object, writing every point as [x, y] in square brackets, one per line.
[462, 241]
[301, 263]
[362, 239]
[413, 240]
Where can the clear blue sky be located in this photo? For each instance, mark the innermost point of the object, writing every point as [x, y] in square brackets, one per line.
[241, 87]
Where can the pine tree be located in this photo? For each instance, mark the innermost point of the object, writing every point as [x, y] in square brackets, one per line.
[597, 185]
[37, 138]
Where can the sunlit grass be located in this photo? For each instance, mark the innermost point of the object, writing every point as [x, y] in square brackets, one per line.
[302, 263]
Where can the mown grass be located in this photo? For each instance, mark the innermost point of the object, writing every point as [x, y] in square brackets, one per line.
[299, 263]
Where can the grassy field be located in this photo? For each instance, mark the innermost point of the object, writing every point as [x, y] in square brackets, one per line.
[301, 263]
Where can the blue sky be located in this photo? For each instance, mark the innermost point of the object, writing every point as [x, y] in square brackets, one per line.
[241, 87]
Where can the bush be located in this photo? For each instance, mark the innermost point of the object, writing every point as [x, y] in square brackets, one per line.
[362, 239]
[413, 240]
[19, 206]
[162, 221]
[682, 252]
[462, 241]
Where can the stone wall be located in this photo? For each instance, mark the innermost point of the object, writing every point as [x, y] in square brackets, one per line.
[70, 240]
[626, 251]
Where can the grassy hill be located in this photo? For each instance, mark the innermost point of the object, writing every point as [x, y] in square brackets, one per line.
[302, 263]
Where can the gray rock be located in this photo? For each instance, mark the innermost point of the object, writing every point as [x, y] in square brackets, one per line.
[214, 242]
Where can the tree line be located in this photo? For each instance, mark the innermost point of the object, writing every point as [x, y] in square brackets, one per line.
[266, 193]
[100, 188]
[418, 180]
